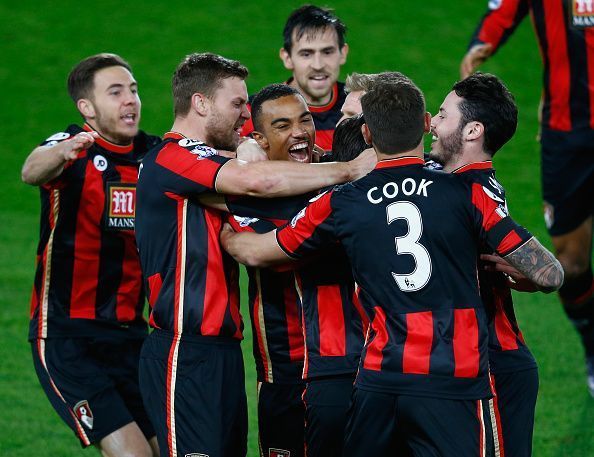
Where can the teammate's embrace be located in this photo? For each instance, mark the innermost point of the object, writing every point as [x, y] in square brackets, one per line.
[86, 311]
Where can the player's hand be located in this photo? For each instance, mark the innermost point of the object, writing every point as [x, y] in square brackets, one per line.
[475, 57]
[226, 235]
[78, 143]
[363, 163]
[318, 152]
[250, 151]
[515, 279]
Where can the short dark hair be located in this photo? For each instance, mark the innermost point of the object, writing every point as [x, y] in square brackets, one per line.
[311, 18]
[485, 99]
[270, 92]
[348, 140]
[81, 80]
[394, 111]
[202, 73]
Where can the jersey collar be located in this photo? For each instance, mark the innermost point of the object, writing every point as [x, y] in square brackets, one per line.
[173, 136]
[399, 162]
[105, 144]
[486, 165]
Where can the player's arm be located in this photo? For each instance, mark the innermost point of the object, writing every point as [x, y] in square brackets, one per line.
[538, 264]
[515, 279]
[280, 178]
[47, 162]
[493, 31]
[253, 249]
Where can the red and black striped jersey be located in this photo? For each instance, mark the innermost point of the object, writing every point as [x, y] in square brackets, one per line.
[334, 322]
[192, 284]
[413, 236]
[88, 280]
[325, 117]
[508, 351]
[275, 312]
[565, 32]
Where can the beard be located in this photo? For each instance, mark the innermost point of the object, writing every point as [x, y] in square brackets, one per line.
[450, 148]
[221, 133]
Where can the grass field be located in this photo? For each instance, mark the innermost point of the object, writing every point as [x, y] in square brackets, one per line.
[425, 40]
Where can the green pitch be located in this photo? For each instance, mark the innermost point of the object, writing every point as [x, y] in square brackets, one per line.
[425, 40]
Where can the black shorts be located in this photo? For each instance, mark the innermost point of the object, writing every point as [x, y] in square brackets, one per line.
[92, 384]
[281, 419]
[512, 411]
[327, 402]
[567, 173]
[430, 426]
[194, 392]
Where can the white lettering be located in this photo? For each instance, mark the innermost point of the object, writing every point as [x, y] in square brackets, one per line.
[391, 190]
[375, 201]
[394, 186]
[423, 187]
[413, 185]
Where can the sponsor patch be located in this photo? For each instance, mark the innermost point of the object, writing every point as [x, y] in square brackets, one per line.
[492, 195]
[100, 162]
[245, 221]
[278, 453]
[494, 4]
[121, 206]
[84, 414]
[581, 13]
[197, 148]
[56, 138]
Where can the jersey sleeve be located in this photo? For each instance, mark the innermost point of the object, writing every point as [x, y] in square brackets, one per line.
[311, 229]
[500, 21]
[190, 170]
[68, 133]
[496, 228]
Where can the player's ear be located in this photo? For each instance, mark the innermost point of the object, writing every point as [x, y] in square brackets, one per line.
[86, 108]
[427, 127]
[261, 140]
[366, 134]
[474, 130]
[200, 103]
[286, 58]
[343, 53]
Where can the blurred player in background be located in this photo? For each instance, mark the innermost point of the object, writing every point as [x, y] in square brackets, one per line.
[314, 49]
[475, 120]
[87, 325]
[564, 30]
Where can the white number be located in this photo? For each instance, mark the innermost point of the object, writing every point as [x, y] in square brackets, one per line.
[409, 244]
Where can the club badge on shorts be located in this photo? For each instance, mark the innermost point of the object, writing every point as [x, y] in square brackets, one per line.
[581, 13]
[120, 206]
[549, 214]
[278, 453]
[84, 414]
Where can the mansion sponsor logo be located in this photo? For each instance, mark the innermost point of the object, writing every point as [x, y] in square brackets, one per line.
[581, 13]
[121, 203]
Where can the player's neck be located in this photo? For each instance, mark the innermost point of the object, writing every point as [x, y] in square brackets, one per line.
[466, 158]
[416, 152]
[189, 128]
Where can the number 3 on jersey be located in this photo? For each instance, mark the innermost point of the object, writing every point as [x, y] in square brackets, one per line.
[409, 244]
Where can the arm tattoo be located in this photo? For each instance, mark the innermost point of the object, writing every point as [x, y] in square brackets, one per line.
[538, 264]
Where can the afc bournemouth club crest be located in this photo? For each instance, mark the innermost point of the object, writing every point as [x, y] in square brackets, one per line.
[121, 206]
[84, 414]
[581, 13]
[278, 453]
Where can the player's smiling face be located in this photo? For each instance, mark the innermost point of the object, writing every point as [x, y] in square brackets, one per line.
[315, 61]
[446, 130]
[288, 131]
[352, 105]
[113, 108]
[227, 112]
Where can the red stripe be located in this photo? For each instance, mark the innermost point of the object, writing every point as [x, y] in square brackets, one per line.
[130, 287]
[373, 355]
[182, 162]
[466, 352]
[559, 75]
[87, 245]
[487, 165]
[486, 205]
[234, 301]
[294, 331]
[259, 334]
[419, 339]
[316, 213]
[324, 139]
[589, 36]
[216, 289]
[154, 285]
[299, 288]
[399, 162]
[503, 329]
[331, 321]
[361, 311]
[497, 22]
[511, 241]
